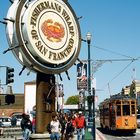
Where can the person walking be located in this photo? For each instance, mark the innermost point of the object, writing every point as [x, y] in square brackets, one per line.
[80, 126]
[13, 121]
[63, 122]
[69, 130]
[33, 124]
[26, 126]
[55, 128]
[73, 120]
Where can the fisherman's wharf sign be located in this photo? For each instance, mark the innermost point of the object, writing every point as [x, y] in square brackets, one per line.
[45, 33]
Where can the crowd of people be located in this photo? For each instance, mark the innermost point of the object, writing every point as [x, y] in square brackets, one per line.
[62, 126]
[66, 125]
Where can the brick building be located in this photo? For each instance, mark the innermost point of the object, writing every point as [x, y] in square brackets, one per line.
[7, 110]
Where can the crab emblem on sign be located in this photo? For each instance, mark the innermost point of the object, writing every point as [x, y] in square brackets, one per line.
[54, 31]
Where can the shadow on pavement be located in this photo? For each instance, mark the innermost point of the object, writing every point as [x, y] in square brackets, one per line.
[116, 133]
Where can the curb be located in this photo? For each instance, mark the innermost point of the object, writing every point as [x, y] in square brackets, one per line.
[100, 135]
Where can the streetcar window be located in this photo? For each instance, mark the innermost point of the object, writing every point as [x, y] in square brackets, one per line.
[126, 110]
[106, 112]
[133, 109]
[118, 110]
[132, 102]
[138, 116]
[125, 102]
[101, 112]
[118, 102]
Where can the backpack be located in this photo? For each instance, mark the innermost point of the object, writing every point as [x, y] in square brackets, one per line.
[69, 127]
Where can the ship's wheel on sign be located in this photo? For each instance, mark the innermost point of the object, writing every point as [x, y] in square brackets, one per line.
[44, 35]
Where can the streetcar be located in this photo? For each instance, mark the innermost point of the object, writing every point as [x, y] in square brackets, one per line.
[118, 113]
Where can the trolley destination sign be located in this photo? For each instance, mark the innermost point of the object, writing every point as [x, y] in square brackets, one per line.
[49, 34]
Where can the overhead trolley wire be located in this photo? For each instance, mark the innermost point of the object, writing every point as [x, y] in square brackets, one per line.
[112, 52]
[121, 71]
[129, 58]
[111, 60]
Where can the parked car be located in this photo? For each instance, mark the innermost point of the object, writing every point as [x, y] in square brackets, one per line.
[138, 120]
[18, 116]
[5, 121]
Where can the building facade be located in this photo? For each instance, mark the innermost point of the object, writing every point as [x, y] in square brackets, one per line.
[7, 110]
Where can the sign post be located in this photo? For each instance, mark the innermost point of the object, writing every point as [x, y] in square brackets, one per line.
[45, 89]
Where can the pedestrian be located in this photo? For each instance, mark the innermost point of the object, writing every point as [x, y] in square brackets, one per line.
[69, 129]
[63, 122]
[55, 128]
[33, 124]
[73, 120]
[80, 126]
[13, 121]
[26, 126]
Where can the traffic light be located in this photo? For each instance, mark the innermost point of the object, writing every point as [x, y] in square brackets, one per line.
[10, 99]
[9, 75]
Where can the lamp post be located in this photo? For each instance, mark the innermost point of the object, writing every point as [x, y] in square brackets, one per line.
[91, 99]
[88, 36]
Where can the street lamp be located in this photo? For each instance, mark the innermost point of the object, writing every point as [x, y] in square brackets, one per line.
[88, 38]
[91, 99]
[89, 76]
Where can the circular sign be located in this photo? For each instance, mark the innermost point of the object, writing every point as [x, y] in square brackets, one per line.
[48, 35]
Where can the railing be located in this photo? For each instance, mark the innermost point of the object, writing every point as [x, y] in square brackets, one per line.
[10, 131]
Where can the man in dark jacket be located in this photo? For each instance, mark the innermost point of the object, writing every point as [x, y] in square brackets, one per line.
[26, 126]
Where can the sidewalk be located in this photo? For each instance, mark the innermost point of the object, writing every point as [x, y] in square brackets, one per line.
[99, 136]
[89, 135]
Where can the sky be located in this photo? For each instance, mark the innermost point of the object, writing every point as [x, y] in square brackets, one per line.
[115, 29]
